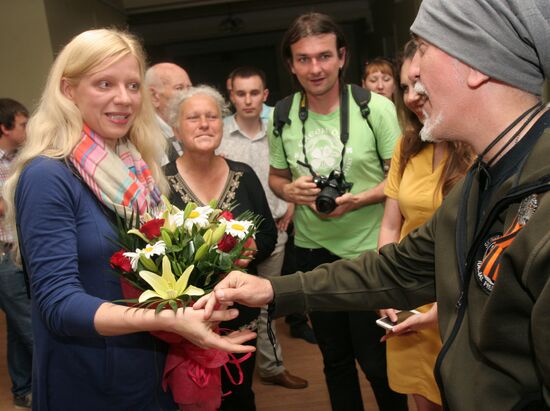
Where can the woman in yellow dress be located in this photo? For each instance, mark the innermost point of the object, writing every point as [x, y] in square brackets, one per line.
[421, 174]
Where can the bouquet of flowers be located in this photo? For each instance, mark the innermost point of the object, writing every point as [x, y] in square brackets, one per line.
[167, 258]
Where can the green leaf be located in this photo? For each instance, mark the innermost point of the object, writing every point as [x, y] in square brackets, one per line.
[148, 263]
[165, 234]
[135, 231]
[201, 252]
[173, 305]
[188, 208]
[160, 307]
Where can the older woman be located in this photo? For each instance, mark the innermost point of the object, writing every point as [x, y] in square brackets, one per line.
[421, 174]
[200, 176]
[89, 154]
[379, 76]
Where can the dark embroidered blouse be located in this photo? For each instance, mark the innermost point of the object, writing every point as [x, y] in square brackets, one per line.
[242, 190]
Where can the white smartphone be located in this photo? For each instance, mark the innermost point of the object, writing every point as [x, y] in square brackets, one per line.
[388, 324]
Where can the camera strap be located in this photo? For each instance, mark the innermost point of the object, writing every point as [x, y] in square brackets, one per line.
[344, 127]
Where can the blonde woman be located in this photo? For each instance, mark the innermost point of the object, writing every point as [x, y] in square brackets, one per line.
[91, 153]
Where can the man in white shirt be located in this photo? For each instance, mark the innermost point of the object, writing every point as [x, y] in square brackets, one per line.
[245, 140]
[164, 80]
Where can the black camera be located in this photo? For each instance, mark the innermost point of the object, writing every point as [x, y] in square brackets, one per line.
[331, 187]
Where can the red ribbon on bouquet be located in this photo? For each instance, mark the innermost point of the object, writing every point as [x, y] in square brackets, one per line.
[192, 373]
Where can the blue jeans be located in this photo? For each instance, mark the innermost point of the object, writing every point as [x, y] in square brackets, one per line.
[17, 306]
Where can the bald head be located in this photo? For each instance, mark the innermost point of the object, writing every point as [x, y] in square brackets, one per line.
[163, 80]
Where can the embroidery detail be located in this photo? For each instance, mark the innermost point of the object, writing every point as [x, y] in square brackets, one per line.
[226, 200]
[487, 270]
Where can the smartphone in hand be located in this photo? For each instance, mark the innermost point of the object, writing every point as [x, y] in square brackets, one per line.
[388, 324]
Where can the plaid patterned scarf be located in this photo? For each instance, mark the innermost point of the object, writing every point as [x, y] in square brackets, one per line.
[121, 180]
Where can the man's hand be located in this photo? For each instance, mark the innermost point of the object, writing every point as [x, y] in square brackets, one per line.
[344, 204]
[284, 221]
[301, 191]
[237, 287]
[193, 325]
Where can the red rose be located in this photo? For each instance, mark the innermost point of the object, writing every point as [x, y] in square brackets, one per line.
[120, 262]
[151, 229]
[226, 214]
[227, 243]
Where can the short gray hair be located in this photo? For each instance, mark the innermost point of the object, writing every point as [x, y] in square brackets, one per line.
[182, 96]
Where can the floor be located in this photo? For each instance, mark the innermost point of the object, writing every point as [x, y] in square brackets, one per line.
[301, 358]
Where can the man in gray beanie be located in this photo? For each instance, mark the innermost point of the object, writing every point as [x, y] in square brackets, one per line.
[485, 255]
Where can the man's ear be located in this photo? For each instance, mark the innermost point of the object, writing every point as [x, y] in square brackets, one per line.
[476, 78]
[154, 97]
[266, 94]
[342, 56]
[67, 89]
[290, 66]
[3, 130]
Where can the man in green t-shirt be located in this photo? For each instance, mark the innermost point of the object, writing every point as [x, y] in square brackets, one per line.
[313, 144]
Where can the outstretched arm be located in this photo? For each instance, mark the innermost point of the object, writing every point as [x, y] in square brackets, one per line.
[111, 319]
[238, 287]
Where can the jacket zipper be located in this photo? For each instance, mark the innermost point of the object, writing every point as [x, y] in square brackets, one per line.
[540, 186]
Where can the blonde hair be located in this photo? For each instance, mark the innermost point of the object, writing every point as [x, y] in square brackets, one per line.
[55, 127]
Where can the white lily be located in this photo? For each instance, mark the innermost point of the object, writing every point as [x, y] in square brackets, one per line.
[166, 287]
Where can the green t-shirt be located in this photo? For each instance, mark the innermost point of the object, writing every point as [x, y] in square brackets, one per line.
[356, 231]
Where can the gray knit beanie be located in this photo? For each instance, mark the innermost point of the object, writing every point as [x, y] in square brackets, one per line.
[508, 40]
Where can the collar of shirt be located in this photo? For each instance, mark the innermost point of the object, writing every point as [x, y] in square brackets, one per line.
[232, 127]
[7, 156]
[165, 127]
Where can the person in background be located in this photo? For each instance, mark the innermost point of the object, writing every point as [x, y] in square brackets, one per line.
[314, 142]
[484, 256]
[380, 76]
[199, 176]
[421, 174]
[14, 300]
[163, 81]
[88, 156]
[245, 139]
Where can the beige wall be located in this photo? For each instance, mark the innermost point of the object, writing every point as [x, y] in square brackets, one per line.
[32, 31]
[66, 18]
[26, 50]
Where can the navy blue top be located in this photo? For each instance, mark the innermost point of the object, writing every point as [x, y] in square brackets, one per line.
[66, 242]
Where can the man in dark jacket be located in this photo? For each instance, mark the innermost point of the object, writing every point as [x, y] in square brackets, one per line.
[485, 255]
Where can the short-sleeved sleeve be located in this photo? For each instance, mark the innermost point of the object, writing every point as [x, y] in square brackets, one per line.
[277, 156]
[394, 178]
[383, 119]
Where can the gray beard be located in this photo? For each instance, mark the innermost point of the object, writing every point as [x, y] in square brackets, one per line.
[426, 133]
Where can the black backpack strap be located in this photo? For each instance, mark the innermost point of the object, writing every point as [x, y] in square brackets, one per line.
[362, 99]
[281, 115]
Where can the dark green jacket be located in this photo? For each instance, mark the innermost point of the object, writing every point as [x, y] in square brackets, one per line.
[496, 352]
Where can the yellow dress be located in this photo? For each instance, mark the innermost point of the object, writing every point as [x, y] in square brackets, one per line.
[411, 358]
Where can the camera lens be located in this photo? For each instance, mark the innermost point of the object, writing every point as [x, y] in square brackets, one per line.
[326, 200]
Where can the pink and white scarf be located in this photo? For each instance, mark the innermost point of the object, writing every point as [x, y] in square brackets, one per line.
[120, 179]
